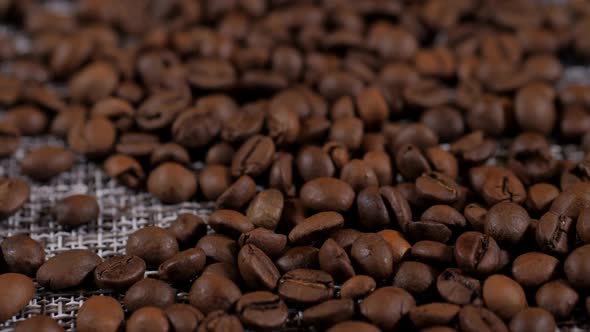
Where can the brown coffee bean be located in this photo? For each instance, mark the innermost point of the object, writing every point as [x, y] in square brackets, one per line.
[14, 193]
[328, 313]
[503, 296]
[68, 269]
[386, 306]
[359, 175]
[313, 162]
[195, 128]
[28, 120]
[271, 243]
[137, 144]
[229, 222]
[534, 268]
[306, 287]
[428, 230]
[256, 268]
[380, 162]
[183, 266]
[171, 183]
[21, 254]
[38, 323]
[477, 252]
[304, 257]
[211, 73]
[220, 321]
[153, 244]
[229, 271]
[457, 288]
[46, 162]
[9, 139]
[262, 310]
[506, 222]
[533, 319]
[281, 174]
[283, 126]
[357, 287]
[334, 260]
[474, 148]
[244, 124]
[183, 317]
[437, 187]
[102, 313]
[397, 243]
[351, 326]
[432, 252]
[119, 272]
[125, 169]
[557, 297]
[219, 248]
[148, 319]
[266, 208]
[213, 292]
[117, 110]
[345, 237]
[347, 131]
[372, 254]
[238, 194]
[160, 108]
[372, 107]
[149, 292]
[540, 196]
[253, 157]
[188, 229]
[325, 194]
[76, 210]
[503, 185]
[219, 153]
[93, 137]
[169, 152]
[555, 233]
[414, 277]
[19, 289]
[338, 153]
[475, 319]
[583, 225]
[534, 102]
[433, 314]
[576, 269]
[315, 227]
[94, 82]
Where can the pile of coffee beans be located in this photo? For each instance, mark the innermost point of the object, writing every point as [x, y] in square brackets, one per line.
[376, 165]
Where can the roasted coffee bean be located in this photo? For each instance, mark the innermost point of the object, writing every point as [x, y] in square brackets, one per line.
[283, 126]
[183, 317]
[148, 319]
[433, 314]
[397, 243]
[347, 131]
[533, 319]
[253, 157]
[211, 73]
[188, 229]
[411, 162]
[172, 183]
[220, 321]
[169, 152]
[183, 266]
[46, 162]
[262, 310]
[557, 297]
[477, 252]
[503, 186]
[94, 82]
[313, 162]
[432, 252]
[583, 225]
[102, 313]
[357, 287]
[125, 169]
[281, 174]
[338, 153]
[327, 194]
[345, 237]
[76, 210]
[93, 137]
[535, 101]
[334, 260]
[414, 277]
[530, 158]
[359, 175]
[351, 326]
[266, 208]
[306, 287]
[446, 122]
[38, 323]
[238, 194]
[213, 292]
[415, 134]
[372, 254]
[230, 223]
[376, 206]
[540, 196]
[271, 243]
[153, 244]
[504, 296]
[9, 139]
[118, 110]
[474, 148]
[428, 230]
[149, 292]
[21, 254]
[555, 233]
[534, 268]
[28, 120]
[304, 257]
[315, 227]
[137, 144]
[475, 319]
[576, 267]
[160, 108]
[475, 215]
[244, 124]
[386, 306]
[328, 313]
[68, 269]
[506, 222]
[437, 187]
[119, 272]
[19, 289]
[436, 93]
[380, 162]
[256, 268]
[219, 248]
[214, 180]
[219, 153]
[195, 128]
[229, 271]
[14, 193]
[457, 288]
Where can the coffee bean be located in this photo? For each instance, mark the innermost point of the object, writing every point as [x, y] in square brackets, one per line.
[533, 319]
[446, 122]
[473, 319]
[506, 222]
[304, 257]
[153, 244]
[457, 288]
[118, 110]
[503, 296]
[428, 230]
[583, 225]
[68, 269]
[503, 185]
[76, 210]
[281, 174]
[306, 287]
[325, 194]
[386, 306]
[266, 208]
[555, 233]
[10, 139]
[313, 162]
[283, 126]
[338, 153]
[238, 194]
[19, 289]
[226, 270]
[183, 266]
[359, 175]
[540, 196]
[211, 73]
[149, 292]
[414, 277]
[315, 227]
[93, 82]
[534, 268]
[272, 244]
[262, 310]
[220, 321]
[119, 272]
[213, 292]
[46, 162]
[351, 326]
[256, 268]
[576, 269]
[100, 312]
[329, 312]
[245, 124]
[183, 317]
[334, 260]
[219, 153]
[535, 101]
[125, 169]
[21, 254]
[397, 243]
[436, 93]
[214, 180]
[195, 128]
[253, 157]
[188, 229]
[28, 120]
[557, 297]
[376, 206]
[357, 287]
[432, 252]
[14, 193]
[172, 183]
[433, 314]
[230, 223]
[93, 137]
[219, 248]
[38, 323]
[169, 152]
[476, 252]
[160, 108]
[137, 144]
[148, 319]
[437, 187]
[372, 254]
